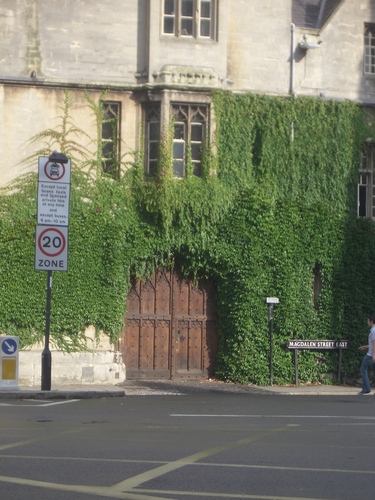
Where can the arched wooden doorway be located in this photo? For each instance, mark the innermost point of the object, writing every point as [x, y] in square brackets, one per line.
[170, 328]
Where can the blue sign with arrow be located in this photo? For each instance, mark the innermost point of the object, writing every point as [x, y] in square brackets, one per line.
[9, 346]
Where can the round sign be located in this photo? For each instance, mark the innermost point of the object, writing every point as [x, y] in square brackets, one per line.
[9, 346]
[51, 242]
[54, 171]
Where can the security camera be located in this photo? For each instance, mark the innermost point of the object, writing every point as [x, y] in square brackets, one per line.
[305, 45]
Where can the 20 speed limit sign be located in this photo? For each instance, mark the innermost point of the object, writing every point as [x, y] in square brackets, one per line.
[51, 248]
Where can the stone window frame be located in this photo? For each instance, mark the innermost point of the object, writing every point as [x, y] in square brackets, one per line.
[162, 104]
[190, 129]
[152, 137]
[366, 183]
[369, 49]
[111, 137]
[317, 285]
[186, 19]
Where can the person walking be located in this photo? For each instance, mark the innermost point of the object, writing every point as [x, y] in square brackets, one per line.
[369, 358]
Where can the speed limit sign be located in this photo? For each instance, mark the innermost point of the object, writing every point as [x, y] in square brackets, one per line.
[51, 248]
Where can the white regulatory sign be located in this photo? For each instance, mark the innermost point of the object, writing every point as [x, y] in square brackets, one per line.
[51, 248]
[53, 192]
[51, 171]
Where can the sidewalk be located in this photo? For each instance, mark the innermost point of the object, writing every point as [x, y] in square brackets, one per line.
[184, 387]
[315, 390]
[63, 392]
[168, 388]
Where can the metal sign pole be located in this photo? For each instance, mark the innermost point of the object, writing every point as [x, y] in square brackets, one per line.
[270, 322]
[271, 301]
[46, 354]
[51, 236]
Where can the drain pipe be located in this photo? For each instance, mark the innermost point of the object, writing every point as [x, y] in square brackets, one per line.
[292, 58]
[292, 71]
[321, 12]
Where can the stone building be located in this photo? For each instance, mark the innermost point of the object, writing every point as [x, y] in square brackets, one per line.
[149, 60]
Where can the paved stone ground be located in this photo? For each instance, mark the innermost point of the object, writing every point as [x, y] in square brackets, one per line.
[190, 386]
[144, 387]
[171, 387]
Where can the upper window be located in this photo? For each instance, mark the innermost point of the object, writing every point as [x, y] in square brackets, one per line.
[189, 132]
[317, 286]
[369, 59]
[366, 183]
[152, 138]
[111, 112]
[189, 18]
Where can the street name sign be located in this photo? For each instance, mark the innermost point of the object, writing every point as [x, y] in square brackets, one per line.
[272, 300]
[317, 344]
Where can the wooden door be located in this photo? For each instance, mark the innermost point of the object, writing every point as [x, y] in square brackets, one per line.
[170, 328]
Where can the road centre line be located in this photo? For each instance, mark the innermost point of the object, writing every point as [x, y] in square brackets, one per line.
[201, 415]
[19, 443]
[84, 459]
[40, 439]
[195, 464]
[231, 496]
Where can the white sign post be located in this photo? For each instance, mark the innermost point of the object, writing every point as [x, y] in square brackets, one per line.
[9, 362]
[51, 242]
[271, 302]
[51, 235]
[53, 192]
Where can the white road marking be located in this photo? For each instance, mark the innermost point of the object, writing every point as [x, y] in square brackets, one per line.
[43, 403]
[202, 415]
[129, 484]
[130, 489]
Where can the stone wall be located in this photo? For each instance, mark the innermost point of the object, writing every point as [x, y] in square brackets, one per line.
[335, 69]
[102, 365]
[73, 40]
[27, 111]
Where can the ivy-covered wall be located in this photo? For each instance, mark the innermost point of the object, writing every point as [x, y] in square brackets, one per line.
[280, 205]
[295, 167]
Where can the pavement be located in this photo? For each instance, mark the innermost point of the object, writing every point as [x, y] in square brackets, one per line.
[169, 387]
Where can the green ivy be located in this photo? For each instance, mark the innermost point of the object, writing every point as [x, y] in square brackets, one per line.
[295, 210]
[276, 201]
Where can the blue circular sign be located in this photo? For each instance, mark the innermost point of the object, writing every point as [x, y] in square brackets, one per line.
[9, 346]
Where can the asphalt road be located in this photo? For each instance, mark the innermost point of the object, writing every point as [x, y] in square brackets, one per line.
[191, 446]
